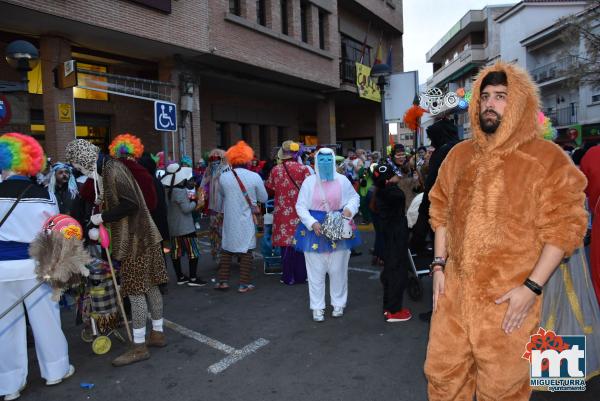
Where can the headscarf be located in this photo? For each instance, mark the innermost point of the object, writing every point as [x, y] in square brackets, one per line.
[83, 155]
[217, 165]
[21, 154]
[71, 185]
[325, 164]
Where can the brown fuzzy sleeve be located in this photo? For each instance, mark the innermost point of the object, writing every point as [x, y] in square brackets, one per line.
[438, 196]
[561, 218]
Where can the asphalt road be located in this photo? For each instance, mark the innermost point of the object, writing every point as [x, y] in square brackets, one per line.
[264, 345]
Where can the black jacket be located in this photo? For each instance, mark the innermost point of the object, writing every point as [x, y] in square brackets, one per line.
[159, 214]
[64, 199]
[390, 202]
[443, 135]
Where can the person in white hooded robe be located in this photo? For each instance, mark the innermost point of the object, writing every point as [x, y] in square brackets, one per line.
[326, 191]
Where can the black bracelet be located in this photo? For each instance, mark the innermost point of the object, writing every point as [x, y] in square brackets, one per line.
[533, 286]
[434, 264]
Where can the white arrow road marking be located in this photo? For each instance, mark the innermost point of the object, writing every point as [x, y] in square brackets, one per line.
[235, 355]
[211, 342]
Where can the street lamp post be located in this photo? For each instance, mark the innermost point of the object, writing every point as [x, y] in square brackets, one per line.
[24, 57]
[381, 72]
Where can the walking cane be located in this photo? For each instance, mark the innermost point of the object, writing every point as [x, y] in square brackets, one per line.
[104, 239]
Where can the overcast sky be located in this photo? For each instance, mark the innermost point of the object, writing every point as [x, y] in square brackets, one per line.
[426, 21]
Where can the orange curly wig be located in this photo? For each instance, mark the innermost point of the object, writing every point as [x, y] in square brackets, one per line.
[239, 154]
[126, 145]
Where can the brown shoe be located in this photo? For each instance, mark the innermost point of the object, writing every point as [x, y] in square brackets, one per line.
[156, 339]
[137, 353]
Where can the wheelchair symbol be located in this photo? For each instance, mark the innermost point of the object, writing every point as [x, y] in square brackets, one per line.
[164, 119]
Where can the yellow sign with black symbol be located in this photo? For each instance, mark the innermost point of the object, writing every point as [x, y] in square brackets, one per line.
[65, 113]
[367, 88]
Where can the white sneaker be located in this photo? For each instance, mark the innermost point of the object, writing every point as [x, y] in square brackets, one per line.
[15, 395]
[69, 374]
[338, 311]
[318, 315]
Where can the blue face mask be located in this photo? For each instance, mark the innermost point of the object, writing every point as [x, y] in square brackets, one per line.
[326, 167]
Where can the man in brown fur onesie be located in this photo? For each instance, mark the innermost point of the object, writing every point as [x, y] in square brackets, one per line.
[506, 208]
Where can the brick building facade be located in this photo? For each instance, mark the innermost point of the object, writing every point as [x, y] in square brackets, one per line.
[259, 70]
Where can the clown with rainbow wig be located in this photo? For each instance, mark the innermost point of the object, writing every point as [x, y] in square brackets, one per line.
[24, 207]
[128, 149]
[126, 191]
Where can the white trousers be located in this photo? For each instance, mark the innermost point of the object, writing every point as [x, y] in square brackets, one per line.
[336, 265]
[50, 342]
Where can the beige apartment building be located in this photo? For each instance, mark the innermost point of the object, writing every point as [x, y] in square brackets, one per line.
[259, 70]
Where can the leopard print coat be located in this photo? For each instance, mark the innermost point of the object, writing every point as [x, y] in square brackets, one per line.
[132, 235]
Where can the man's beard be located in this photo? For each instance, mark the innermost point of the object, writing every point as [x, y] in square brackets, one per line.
[489, 126]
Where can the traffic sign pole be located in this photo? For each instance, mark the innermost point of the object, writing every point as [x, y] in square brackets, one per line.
[165, 141]
[165, 120]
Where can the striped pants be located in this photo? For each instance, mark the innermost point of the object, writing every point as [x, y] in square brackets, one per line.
[245, 266]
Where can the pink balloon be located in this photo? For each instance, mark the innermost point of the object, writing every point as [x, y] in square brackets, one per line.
[104, 237]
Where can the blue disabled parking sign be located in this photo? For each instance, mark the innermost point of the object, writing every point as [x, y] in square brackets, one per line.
[165, 116]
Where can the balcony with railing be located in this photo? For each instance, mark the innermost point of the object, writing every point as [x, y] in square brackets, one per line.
[555, 70]
[564, 116]
[473, 55]
[472, 21]
[348, 71]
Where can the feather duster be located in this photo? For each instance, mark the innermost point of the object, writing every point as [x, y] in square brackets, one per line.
[412, 115]
[59, 261]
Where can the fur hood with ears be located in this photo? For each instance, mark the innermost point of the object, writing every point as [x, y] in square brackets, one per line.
[519, 122]
[501, 199]
[504, 196]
